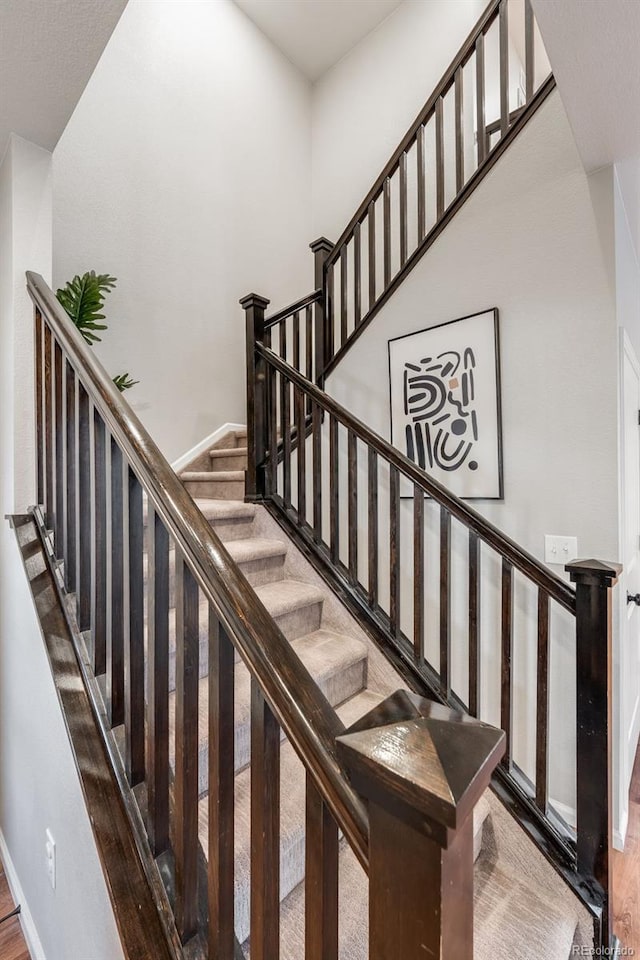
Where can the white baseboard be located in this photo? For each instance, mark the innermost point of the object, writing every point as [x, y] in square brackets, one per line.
[26, 920]
[620, 832]
[204, 445]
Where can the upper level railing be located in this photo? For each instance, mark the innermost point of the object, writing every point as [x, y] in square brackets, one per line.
[498, 79]
[169, 681]
[455, 603]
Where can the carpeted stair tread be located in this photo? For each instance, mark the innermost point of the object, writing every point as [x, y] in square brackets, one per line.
[221, 453]
[255, 548]
[286, 596]
[225, 509]
[207, 476]
[337, 664]
[512, 920]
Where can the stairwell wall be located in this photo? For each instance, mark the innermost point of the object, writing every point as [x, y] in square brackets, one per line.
[185, 171]
[530, 242]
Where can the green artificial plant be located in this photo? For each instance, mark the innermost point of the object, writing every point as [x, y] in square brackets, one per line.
[83, 299]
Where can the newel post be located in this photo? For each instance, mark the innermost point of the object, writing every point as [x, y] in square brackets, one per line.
[422, 768]
[321, 248]
[594, 582]
[254, 307]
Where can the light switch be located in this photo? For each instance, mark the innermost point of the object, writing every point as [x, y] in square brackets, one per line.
[560, 549]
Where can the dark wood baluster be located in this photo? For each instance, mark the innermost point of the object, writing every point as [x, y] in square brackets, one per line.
[371, 234]
[507, 653]
[221, 789]
[504, 67]
[372, 466]
[529, 50]
[542, 713]
[265, 829]
[343, 294]
[404, 237]
[352, 496]
[70, 560]
[321, 879]
[357, 276]
[118, 610]
[273, 429]
[85, 549]
[99, 578]
[308, 347]
[474, 624]
[296, 340]
[286, 435]
[186, 841]
[440, 173]
[302, 454]
[394, 550]
[459, 108]
[134, 636]
[59, 446]
[158, 682]
[49, 465]
[445, 602]
[422, 219]
[418, 572]
[38, 334]
[331, 316]
[316, 424]
[115, 612]
[480, 114]
[334, 517]
[386, 211]
[254, 307]
[285, 418]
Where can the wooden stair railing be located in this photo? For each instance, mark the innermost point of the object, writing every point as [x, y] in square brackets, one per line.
[318, 463]
[431, 174]
[96, 466]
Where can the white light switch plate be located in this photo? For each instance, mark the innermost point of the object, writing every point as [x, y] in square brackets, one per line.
[560, 549]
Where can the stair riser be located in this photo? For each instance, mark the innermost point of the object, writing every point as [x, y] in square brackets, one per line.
[299, 622]
[216, 489]
[240, 529]
[234, 461]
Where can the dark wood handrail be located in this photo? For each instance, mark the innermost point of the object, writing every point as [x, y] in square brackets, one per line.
[301, 708]
[445, 82]
[513, 552]
[307, 301]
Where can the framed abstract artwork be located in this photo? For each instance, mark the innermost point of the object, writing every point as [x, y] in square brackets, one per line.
[444, 387]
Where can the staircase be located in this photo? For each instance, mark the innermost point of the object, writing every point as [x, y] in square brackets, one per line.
[521, 914]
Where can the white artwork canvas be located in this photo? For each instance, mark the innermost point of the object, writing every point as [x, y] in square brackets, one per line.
[445, 403]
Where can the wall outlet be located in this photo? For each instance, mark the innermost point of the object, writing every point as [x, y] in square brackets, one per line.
[50, 850]
[560, 549]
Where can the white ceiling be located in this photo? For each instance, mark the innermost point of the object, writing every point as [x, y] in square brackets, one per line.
[48, 51]
[315, 35]
[594, 49]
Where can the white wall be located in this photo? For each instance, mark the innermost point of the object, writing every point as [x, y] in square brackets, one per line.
[39, 786]
[364, 105]
[528, 242]
[185, 172]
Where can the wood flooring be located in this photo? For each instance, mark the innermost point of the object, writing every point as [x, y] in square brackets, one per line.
[626, 874]
[12, 943]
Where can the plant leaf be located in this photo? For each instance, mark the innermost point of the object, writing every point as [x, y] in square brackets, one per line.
[83, 299]
[124, 382]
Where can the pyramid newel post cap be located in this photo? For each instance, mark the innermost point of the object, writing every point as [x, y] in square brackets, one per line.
[596, 573]
[424, 763]
[254, 300]
[321, 244]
